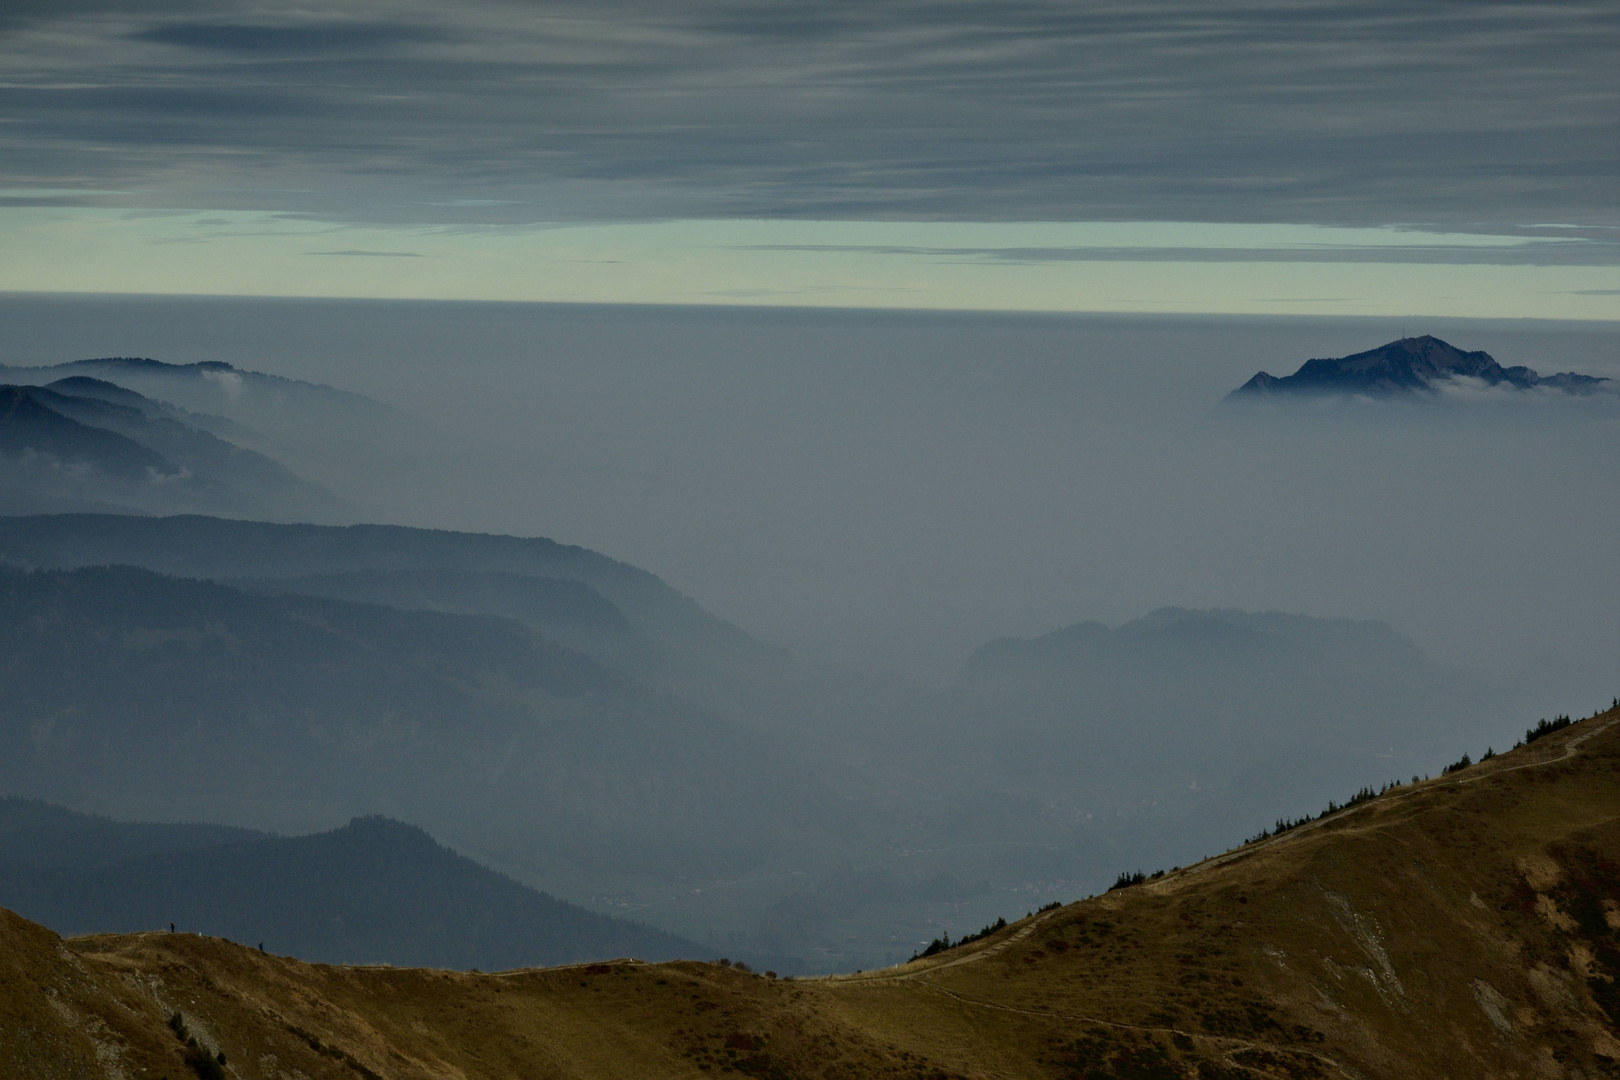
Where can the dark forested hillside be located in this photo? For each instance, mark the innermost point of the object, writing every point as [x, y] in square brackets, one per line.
[144, 695]
[86, 442]
[373, 891]
[37, 833]
[212, 391]
[29, 423]
[635, 621]
[221, 548]
[562, 610]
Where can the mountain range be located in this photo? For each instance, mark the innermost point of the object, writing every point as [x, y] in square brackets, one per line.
[1461, 926]
[575, 722]
[84, 443]
[232, 401]
[330, 440]
[149, 695]
[1410, 366]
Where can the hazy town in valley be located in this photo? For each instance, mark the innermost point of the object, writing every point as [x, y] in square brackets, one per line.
[1013, 540]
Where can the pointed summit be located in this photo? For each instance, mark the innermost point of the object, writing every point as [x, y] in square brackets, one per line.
[1407, 366]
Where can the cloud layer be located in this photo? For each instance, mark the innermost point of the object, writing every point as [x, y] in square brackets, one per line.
[509, 113]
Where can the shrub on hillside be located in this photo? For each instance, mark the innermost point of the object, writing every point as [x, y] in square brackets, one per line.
[1545, 727]
[940, 944]
[205, 1066]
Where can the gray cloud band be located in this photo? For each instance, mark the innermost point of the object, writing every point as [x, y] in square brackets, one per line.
[505, 113]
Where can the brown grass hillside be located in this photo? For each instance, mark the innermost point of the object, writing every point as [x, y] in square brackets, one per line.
[1464, 927]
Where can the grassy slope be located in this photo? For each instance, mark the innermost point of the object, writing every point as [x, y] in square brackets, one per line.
[1460, 928]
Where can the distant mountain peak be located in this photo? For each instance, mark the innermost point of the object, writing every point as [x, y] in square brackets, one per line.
[377, 889]
[1414, 365]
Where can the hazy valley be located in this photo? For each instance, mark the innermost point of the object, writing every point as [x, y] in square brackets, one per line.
[474, 751]
[577, 723]
[809, 541]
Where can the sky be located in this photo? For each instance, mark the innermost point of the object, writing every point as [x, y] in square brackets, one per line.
[1286, 158]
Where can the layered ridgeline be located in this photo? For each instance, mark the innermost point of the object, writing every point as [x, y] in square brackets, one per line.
[1168, 731]
[622, 615]
[84, 443]
[373, 891]
[154, 696]
[235, 403]
[1046, 766]
[1465, 926]
[147, 695]
[332, 440]
[1421, 366]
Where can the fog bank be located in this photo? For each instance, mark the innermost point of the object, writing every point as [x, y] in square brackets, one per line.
[892, 491]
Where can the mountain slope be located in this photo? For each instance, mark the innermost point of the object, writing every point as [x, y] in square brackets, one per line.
[343, 441]
[1175, 730]
[85, 442]
[29, 426]
[151, 696]
[34, 833]
[243, 480]
[272, 404]
[562, 610]
[1405, 367]
[673, 644]
[1462, 927]
[373, 891]
[223, 548]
